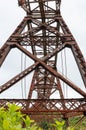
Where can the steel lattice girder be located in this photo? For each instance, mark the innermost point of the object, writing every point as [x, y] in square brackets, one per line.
[57, 106]
[46, 32]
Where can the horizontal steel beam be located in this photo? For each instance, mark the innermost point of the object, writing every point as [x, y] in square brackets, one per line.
[57, 106]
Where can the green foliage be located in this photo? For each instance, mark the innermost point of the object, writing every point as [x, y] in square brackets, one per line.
[80, 126]
[10, 119]
[13, 119]
[69, 128]
[44, 125]
[28, 122]
[59, 125]
[73, 123]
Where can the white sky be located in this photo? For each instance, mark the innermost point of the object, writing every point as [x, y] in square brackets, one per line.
[73, 12]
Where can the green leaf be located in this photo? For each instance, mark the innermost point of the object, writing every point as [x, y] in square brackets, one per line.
[6, 124]
[58, 125]
[13, 107]
[69, 128]
[12, 119]
[28, 121]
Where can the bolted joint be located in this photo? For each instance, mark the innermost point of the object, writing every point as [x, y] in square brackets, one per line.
[43, 26]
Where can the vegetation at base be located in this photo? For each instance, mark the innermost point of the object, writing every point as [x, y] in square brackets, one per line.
[80, 126]
[11, 118]
[44, 125]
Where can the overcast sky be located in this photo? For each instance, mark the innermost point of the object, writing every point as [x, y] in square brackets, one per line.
[73, 12]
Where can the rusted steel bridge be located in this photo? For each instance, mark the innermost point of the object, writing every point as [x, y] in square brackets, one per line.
[45, 31]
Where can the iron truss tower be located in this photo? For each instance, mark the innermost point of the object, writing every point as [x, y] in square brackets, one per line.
[45, 32]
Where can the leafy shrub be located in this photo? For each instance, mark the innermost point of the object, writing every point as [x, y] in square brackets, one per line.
[44, 125]
[12, 119]
[59, 125]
